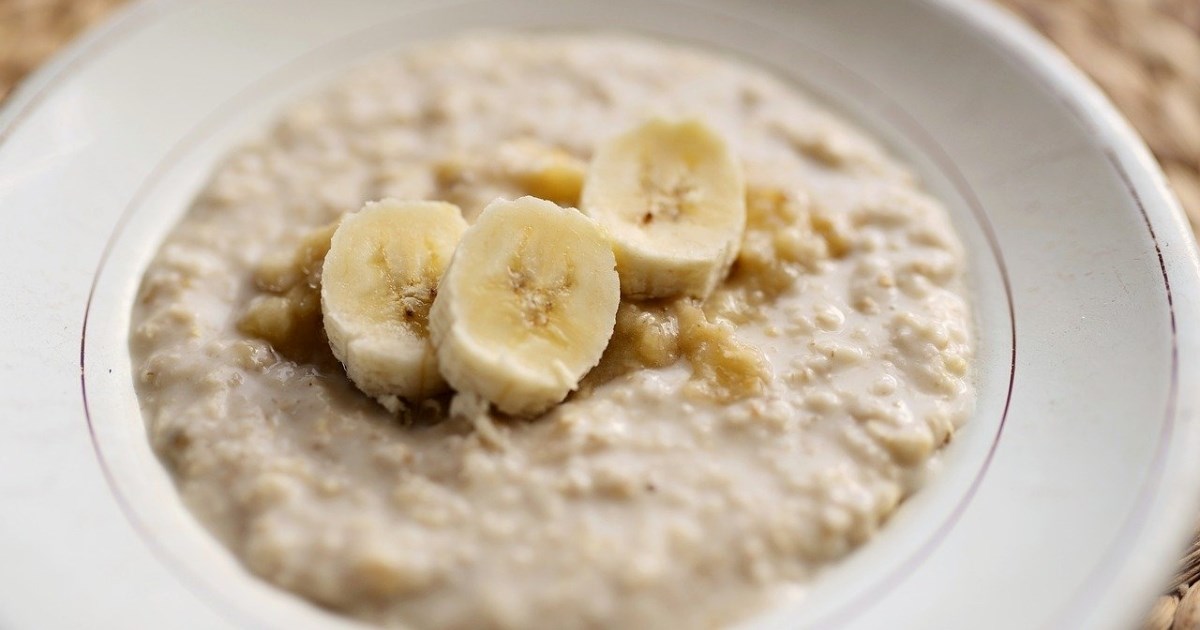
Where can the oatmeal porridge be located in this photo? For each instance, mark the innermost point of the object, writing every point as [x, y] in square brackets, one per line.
[730, 442]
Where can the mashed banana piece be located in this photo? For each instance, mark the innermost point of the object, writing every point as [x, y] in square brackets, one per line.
[287, 314]
[721, 454]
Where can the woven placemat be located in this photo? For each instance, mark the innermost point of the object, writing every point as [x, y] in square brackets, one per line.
[1144, 53]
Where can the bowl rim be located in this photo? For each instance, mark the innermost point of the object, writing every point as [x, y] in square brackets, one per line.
[1163, 541]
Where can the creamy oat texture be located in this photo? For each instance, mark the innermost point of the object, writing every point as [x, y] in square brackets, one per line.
[651, 498]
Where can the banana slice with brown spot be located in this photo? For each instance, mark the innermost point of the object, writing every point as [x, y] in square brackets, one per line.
[527, 305]
[672, 197]
[379, 280]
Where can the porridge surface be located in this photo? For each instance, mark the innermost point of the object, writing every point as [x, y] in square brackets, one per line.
[666, 492]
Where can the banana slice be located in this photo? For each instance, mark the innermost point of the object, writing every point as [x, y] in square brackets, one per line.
[672, 196]
[377, 284]
[527, 305]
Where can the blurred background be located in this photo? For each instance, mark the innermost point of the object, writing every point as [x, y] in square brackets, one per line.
[1144, 53]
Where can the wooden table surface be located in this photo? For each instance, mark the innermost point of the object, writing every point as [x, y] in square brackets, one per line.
[1144, 53]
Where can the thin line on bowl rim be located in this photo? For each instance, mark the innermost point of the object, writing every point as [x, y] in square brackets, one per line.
[891, 111]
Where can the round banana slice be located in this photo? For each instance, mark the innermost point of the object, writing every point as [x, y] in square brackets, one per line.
[527, 305]
[672, 197]
[377, 284]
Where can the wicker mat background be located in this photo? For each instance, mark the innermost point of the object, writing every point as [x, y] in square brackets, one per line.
[1144, 53]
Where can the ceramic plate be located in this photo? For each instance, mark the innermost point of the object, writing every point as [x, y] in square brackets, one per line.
[1064, 502]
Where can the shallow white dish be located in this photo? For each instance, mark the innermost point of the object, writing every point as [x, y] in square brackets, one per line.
[1064, 502]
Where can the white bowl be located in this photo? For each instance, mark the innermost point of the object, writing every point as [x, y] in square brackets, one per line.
[1064, 502]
